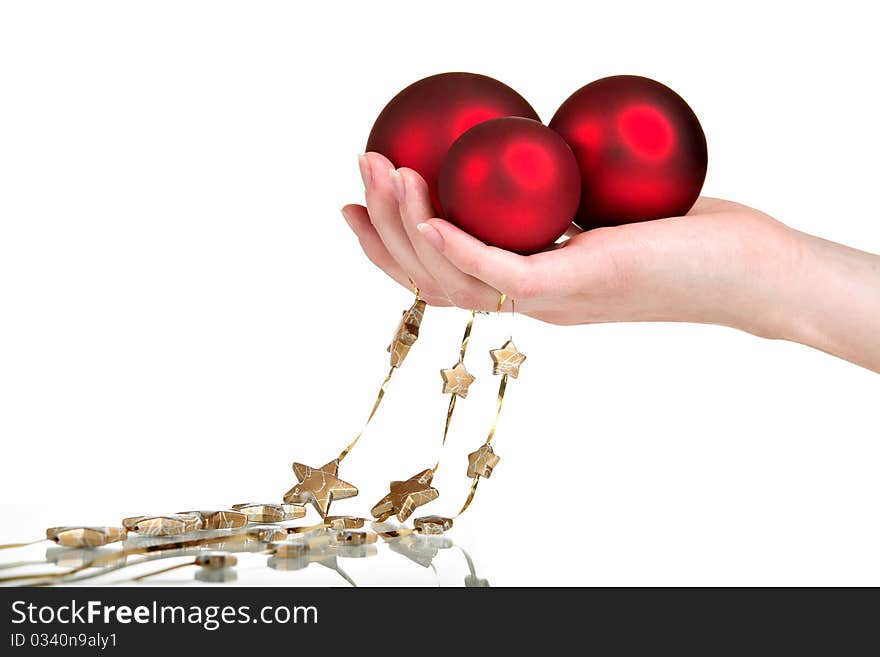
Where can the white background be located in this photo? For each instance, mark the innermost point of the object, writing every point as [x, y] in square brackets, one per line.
[183, 311]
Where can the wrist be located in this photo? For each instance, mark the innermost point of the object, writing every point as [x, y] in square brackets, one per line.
[764, 279]
[834, 305]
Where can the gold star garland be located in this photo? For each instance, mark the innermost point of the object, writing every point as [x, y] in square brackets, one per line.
[461, 389]
[242, 530]
[120, 556]
[310, 544]
[506, 362]
[320, 486]
[404, 496]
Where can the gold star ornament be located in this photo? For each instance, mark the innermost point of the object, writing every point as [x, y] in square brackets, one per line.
[507, 359]
[456, 380]
[320, 486]
[225, 519]
[482, 462]
[269, 513]
[170, 525]
[405, 496]
[407, 333]
[86, 536]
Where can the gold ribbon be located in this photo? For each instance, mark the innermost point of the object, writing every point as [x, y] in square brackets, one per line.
[498, 402]
[476, 481]
[375, 408]
[123, 554]
[451, 408]
[470, 498]
[502, 387]
[380, 396]
[9, 546]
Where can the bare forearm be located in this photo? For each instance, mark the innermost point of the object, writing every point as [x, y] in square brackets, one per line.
[835, 305]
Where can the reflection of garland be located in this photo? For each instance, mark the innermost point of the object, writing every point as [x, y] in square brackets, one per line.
[319, 544]
[127, 552]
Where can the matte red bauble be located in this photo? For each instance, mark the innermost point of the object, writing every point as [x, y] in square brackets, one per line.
[420, 123]
[640, 149]
[512, 183]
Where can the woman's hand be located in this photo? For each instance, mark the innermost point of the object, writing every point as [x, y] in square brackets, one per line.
[723, 263]
[695, 269]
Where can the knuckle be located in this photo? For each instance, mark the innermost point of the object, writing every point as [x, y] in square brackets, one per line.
[463, 298]
[620, 272]
[436, 300]
[524, 284]
[471, 262]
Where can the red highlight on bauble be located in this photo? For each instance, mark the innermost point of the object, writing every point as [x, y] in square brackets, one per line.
[512, 183]
[640, 148]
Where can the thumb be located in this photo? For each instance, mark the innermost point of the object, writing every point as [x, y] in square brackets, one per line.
[505, 271]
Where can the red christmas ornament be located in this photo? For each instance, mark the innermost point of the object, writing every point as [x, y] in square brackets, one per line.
[640, 149]
[420, 123]
[510, 182]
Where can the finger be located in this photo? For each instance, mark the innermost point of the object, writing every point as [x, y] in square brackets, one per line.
[415, 208]
[384, 212]
[515, 275]
[359, 221]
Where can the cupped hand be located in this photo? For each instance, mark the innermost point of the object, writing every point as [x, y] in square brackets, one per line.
[723, 263]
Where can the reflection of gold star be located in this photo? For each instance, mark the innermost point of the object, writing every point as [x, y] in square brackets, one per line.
[482, 462]
[415, 548]
[405, 496]
[407, 333]
[456, 380]
[320, 486]
[433, 524]
[507, 359]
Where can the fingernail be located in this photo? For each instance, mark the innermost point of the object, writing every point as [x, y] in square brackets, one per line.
[366, 174]
[345, 215]
[433, 235]
[397, 184]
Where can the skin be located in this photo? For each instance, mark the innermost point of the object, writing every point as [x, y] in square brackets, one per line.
[724, 263]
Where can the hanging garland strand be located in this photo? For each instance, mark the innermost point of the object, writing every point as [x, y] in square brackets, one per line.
[320, 486]
[451, 408]
[506, 362]
[405, 496]
[484, 458]
[404, 338]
